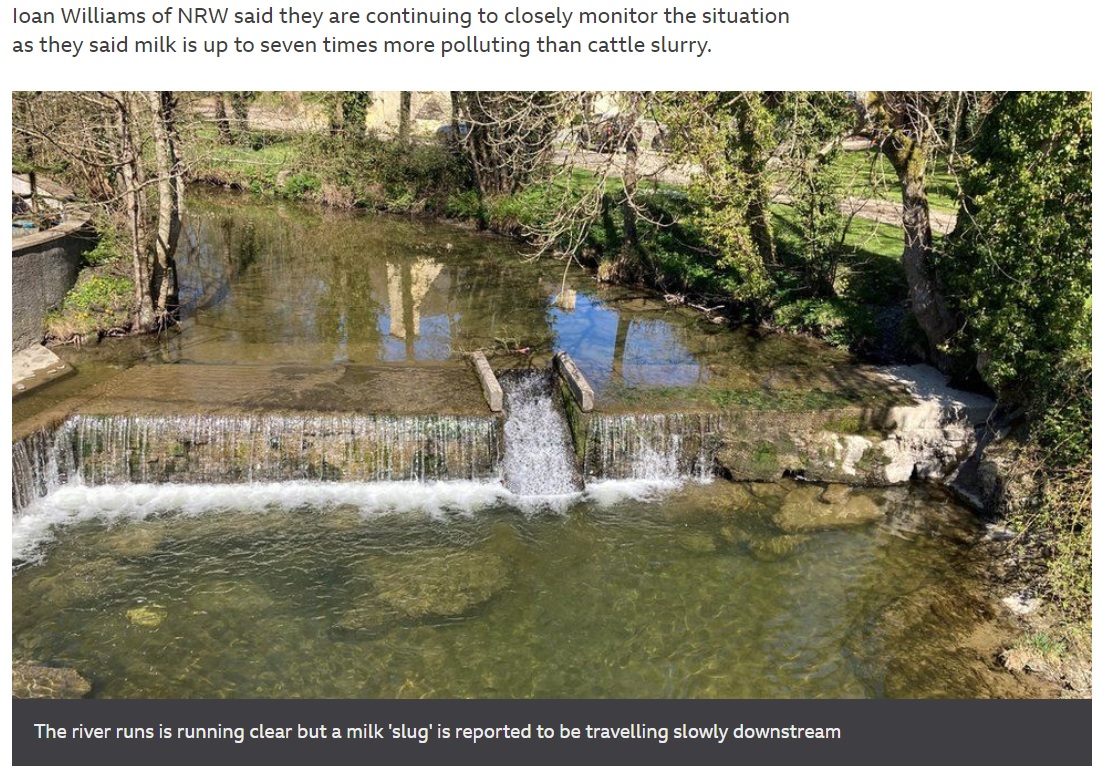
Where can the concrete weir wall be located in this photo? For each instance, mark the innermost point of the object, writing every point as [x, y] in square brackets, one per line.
[44, 267]
[864, 446]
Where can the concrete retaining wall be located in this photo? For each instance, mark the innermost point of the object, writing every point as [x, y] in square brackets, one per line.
[44, 268]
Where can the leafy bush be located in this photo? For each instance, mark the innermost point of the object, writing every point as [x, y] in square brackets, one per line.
[842, 323]
[1018, 264]
[97, 304]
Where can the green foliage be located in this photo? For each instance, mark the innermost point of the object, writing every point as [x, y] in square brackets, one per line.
[1019, 269]
[299, 185]
[842, 323]
[1060, 456]
[1018, 264]
[729, 137]
[98, 303]
[108, 251]
[345, 169]
[810, 127]
[466, 206]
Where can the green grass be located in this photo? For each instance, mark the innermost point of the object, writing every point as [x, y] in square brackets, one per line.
[867, 174]
[252, 169]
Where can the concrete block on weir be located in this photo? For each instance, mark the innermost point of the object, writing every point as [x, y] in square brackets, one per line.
[492, 390]
[581, 390]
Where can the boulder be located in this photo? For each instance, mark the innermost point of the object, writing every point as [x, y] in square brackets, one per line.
[436, 584]
[804, 511]
[33, 680]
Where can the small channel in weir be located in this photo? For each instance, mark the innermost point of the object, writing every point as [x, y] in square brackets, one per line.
[538, 455]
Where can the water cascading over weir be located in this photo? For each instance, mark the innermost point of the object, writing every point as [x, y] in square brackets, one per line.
[538, 454]
[226, 449]
[545, 443]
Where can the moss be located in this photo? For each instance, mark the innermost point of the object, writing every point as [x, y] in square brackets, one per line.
[847, 426]
[765, 456]
[872, 459]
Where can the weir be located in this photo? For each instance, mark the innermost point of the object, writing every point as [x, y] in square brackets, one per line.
[544, 445]
[648, 446]
[209, 448]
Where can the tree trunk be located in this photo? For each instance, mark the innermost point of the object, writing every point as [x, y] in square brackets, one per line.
[909, 158]
[754, 139]
[404, 118]
[239, 107]
[454, 115]
[221, 120]
[354, 111]
[629, 178]
[130, 176]
[170, 190]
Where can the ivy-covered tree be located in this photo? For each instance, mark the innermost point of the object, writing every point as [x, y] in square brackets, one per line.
[728, 137]
[904, 126]
[1017, 267]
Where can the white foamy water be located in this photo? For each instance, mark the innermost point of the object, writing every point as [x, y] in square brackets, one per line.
[35, 527]
[538, 457]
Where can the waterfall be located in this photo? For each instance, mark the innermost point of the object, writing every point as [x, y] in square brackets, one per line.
[538, 456]
[116, 449]
[532, 450]
[41, 463]
[651, 446]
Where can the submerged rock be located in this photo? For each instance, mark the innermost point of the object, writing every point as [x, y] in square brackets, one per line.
[764, 543]
[771, 548]
[699, 543]
[367, 615]
[79, 582]
[33, 680]
[766, 490]
[835, 494]
[134, 539]
[221, 596]
[146, 616]
[804, 511]
[433, 584]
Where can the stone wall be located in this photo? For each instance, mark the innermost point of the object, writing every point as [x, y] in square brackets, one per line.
[44, 268]
[874, 447]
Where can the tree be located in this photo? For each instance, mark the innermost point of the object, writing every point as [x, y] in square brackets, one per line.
[239, 107]
[121, 151]
[404, 118]
[511, 136]
[728, 137]
[1018, 265]
[810, 129]
[221, 120]
[903, 125]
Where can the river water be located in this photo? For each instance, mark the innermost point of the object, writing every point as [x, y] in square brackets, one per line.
[647, 587]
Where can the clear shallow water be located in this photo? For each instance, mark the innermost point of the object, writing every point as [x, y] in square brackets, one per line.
[267, 284]
[303, 590]
[460, 589]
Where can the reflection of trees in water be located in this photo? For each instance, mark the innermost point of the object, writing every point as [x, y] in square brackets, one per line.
[373, 288]
[408, 284]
